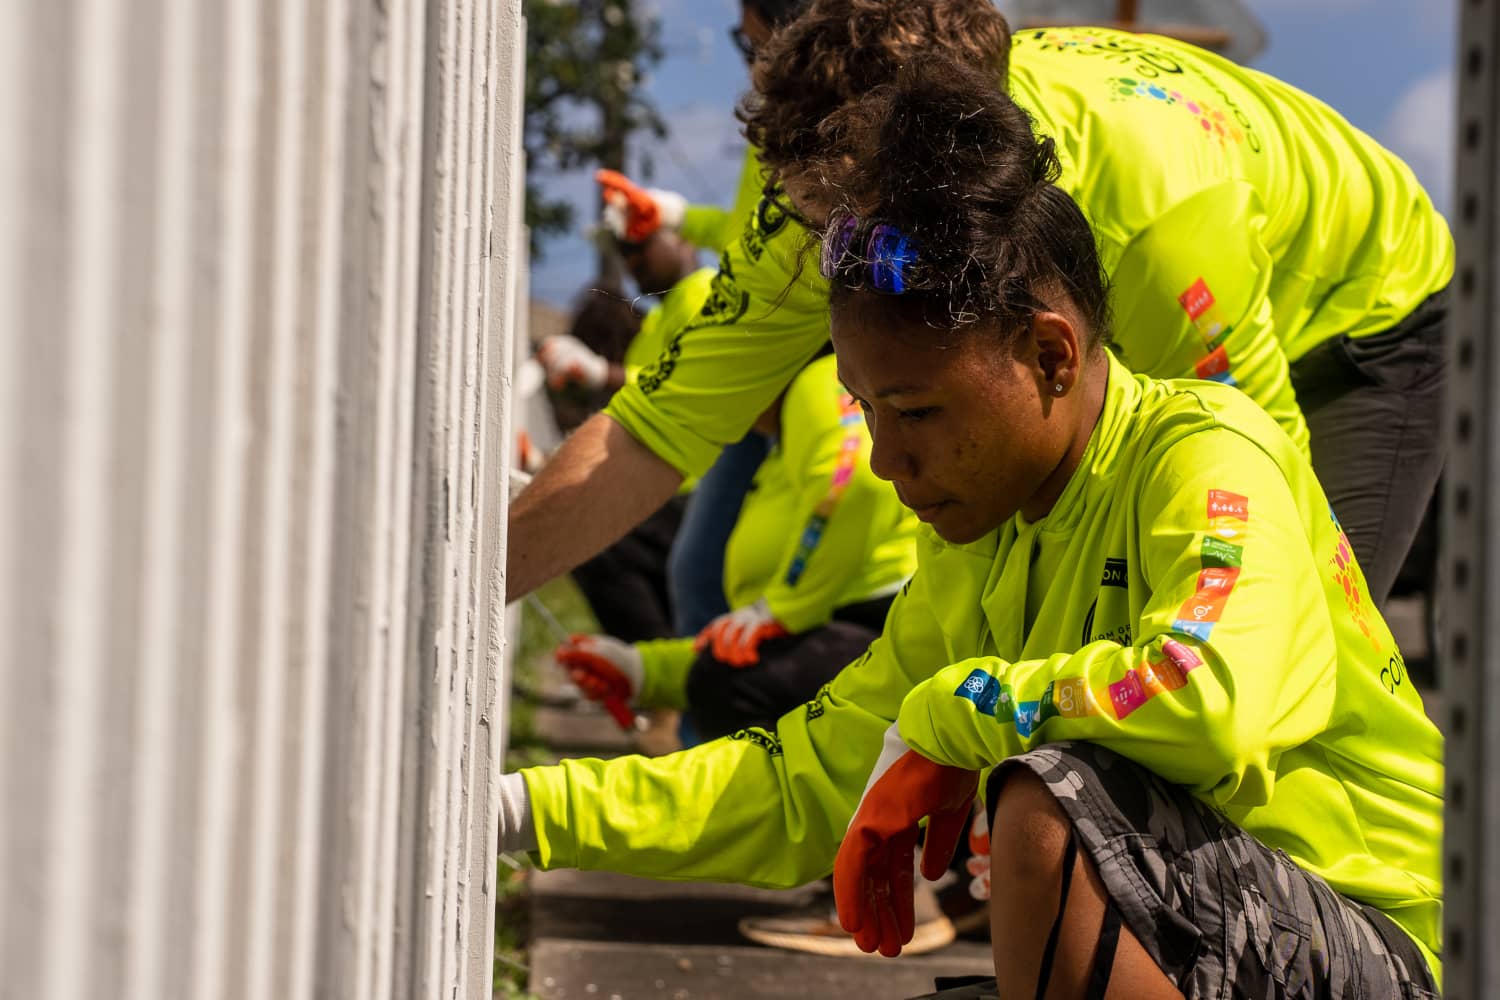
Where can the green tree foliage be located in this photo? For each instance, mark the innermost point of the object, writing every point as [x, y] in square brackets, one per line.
[586, 65]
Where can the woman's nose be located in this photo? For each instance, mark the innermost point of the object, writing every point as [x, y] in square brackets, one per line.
[888, 457]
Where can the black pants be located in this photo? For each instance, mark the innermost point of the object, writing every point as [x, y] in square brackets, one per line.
[791, 670]
[1374, 410]
[626, 584]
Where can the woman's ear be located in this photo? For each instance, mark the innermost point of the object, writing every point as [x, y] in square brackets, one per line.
[1059, 353]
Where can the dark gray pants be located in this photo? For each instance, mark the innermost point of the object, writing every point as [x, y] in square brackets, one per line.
[1374, 408]
[1220, 913]
[790, 672]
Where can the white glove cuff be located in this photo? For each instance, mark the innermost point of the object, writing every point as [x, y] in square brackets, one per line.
[612, 217]
[634, 670]
[626, 659]
[517, 832]
[672, 206]
[892, 749]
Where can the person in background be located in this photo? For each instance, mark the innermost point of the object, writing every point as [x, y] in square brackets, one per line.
[1133, 606]
[820, 549]
[577, 364]
[696, 563]
[1254, 237]
[627, 584]
[663, 266]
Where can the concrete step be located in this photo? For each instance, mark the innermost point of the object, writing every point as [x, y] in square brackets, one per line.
[598, 935]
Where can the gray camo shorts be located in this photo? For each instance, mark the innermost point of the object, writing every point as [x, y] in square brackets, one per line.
[1222, 914]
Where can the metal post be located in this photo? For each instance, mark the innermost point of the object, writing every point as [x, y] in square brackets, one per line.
[1470, 585]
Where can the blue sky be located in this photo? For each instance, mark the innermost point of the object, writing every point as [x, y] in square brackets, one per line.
[1387, 65]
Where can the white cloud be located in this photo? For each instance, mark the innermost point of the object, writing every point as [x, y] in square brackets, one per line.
[1419, 129]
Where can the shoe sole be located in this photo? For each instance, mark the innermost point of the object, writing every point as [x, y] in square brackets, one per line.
[930, 936]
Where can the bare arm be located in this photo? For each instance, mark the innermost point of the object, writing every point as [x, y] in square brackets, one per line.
[601, 483]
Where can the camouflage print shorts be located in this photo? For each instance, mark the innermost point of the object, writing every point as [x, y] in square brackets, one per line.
[1221, 914]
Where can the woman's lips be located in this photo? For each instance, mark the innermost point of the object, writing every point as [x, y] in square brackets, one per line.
[927, 512]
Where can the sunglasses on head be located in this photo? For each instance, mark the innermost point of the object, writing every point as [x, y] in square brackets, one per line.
[867, 254]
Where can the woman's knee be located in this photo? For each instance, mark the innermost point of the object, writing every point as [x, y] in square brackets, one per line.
[1029, 830]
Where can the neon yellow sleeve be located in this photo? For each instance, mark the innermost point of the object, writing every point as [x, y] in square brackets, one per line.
[714, 228]
[1233, 654]
[679, 305]
[708, 226]
[1191, 300]
[840, 503]
[757, 808]
[766, 314]
[665, 664]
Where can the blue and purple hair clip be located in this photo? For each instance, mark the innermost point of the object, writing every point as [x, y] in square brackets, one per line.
[868, 254]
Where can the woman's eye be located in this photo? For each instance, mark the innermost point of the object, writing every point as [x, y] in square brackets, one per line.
[918, 413]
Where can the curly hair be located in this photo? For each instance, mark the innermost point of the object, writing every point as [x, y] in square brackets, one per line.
[945, 156]
[777, 12]
[841, 49]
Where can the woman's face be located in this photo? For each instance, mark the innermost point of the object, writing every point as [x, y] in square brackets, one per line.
[969, 430]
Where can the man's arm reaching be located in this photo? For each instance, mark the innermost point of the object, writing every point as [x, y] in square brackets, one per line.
[601, 483]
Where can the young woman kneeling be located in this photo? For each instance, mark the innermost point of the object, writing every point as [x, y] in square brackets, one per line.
[1208, 774]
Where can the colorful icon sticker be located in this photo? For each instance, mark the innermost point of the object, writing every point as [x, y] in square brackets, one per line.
[852, 421]
[1228, 513]
[1216, 124]
[1351, 579]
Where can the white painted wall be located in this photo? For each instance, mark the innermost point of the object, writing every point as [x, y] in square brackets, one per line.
[258, 290]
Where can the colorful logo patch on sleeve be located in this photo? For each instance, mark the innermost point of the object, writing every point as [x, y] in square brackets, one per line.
[1224, 125]
[1200, 305]
[989, 695]
[1027, 718]
[1220, 561]
[1068, 697]
[852, 421]
[1215, 367]
[1351, 580]
[1227, 512]
[1221, 554]
[1197, 300]
[1127, 694]
[1157, 675]
[1182, 656]
[1217, 580]
[1202, 607]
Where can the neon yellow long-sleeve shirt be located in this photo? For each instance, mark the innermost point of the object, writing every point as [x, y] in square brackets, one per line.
[679, 305]
[1189, 602]
[818, 531]
[714, 228]
[1242, 222]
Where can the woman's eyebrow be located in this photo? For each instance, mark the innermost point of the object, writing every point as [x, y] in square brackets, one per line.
[904, 389]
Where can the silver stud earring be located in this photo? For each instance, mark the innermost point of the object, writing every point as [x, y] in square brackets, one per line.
[1058, 388]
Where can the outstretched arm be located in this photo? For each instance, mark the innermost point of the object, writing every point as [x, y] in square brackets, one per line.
[601, 483]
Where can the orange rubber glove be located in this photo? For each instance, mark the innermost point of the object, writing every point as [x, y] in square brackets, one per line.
[644, 210]
[872, 876]
[607, 671]
[736, 637]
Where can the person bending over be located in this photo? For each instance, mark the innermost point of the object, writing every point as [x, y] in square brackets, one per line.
[1210, 775]
[696, 562]
[1253, 235]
